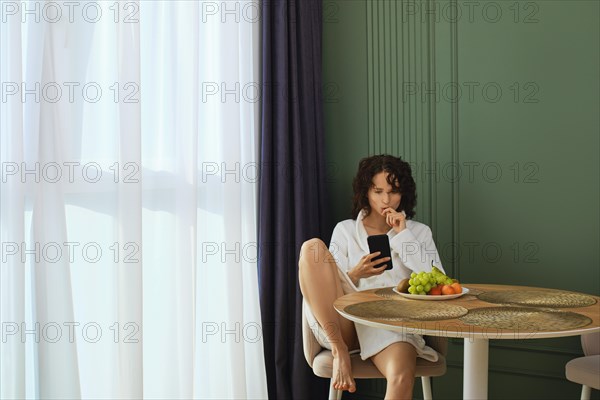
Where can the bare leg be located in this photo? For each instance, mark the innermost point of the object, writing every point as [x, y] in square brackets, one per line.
[320, 286]
[397, 363]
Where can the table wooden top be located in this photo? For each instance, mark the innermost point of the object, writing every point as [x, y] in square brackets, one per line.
[457, 328]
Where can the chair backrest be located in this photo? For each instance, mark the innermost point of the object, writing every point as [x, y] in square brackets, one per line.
[591, 344]
[309, 343]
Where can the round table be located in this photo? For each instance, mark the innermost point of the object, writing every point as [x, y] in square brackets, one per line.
[476, 336]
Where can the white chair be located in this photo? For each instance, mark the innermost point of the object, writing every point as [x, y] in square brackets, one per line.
[586, 370]
[321, 361]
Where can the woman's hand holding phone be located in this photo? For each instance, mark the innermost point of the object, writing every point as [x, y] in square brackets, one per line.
[366, 267]
[397, 220]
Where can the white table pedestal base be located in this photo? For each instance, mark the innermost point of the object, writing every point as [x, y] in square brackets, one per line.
[475, 379]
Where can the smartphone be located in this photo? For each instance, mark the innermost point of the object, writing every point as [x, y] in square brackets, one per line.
[380, 243]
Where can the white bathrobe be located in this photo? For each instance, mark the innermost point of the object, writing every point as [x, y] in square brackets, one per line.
[413, 250]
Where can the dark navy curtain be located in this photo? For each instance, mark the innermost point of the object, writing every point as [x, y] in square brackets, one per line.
[292, 200]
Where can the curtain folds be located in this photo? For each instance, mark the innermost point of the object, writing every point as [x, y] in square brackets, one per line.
[293, 199]
[127, 235]
[12, 209]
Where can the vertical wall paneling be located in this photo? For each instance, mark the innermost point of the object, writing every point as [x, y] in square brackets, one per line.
[400, 69]
[370, 76]
[431, 149]
[400, 66]
[455, 145]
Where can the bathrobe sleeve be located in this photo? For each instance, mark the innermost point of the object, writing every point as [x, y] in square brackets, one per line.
[339, 248]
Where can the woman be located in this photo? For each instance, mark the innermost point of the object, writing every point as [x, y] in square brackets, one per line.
[384, 201]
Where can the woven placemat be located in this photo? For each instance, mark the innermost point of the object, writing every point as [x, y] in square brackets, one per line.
[474, 292]
[388, 293]
[392, 310]
[525, 318]
[538, 298]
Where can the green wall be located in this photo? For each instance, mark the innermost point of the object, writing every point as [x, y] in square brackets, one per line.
[495, 104]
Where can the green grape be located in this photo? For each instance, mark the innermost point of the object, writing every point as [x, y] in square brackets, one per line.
[422, 293]
[427, 288]
[440, 279]
[420, 288]
[413, 275]
[411, 289]
[449, 281]
[411, 282]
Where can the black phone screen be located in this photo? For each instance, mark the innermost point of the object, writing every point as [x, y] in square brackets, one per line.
[380, 243]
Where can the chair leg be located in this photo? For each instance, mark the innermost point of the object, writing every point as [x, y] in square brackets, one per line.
[426, 383]
[586, 392]
[334, 394]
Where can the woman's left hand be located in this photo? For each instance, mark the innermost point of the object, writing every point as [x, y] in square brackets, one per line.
[397, 220]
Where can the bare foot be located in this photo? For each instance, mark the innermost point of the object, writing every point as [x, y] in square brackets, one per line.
[342, 371]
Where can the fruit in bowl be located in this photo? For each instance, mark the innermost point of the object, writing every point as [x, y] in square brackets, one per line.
[434, 283]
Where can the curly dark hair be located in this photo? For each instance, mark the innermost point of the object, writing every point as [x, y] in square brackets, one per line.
[400, 176]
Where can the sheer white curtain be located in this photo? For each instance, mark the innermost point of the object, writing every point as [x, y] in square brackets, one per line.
[129, 142]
